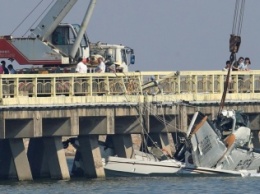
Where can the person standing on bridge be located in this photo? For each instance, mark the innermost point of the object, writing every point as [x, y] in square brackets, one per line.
[239, 65]
[110, 64]
[101, 68]
[228, 64]
[11, 69]
[81, 66]
[5, 70]
[1, 69]
[247, 63]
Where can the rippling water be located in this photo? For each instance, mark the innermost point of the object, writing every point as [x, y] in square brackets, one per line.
[151, 185]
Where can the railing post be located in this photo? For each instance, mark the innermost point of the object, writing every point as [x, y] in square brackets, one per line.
[195, 80]
[212, 84]
[204, 83]
[221, 83]
[72, 81]
[252, 83]
[35, 87]
[140, 79]
[106, 86]
[90, 85]
[236, 84]
[16, 87]
[178, 84]
[53, 86]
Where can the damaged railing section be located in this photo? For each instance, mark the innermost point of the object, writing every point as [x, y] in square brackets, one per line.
[134, 83]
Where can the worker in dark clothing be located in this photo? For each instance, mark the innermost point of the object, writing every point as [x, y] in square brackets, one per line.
[5, 70]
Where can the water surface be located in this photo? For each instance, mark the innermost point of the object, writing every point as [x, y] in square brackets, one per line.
[151, 185]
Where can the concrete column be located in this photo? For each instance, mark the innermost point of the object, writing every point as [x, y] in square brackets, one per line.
[57, 161]
[182, 120]
[37, 124]
[37, 158]
[77, 167]
[110, 121]
[47, 158]
[20, 159]
[91, 156]
[123, 145]
[7, 167]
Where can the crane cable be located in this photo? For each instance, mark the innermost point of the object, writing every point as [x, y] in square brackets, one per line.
[26, 17]
[39, 17]
[234, 44]
[238, 19]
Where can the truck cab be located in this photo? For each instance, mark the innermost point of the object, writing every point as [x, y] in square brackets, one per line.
[64, 37]
[122, 56]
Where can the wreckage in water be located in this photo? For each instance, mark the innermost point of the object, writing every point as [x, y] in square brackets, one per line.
[224, 144]
[208, 150]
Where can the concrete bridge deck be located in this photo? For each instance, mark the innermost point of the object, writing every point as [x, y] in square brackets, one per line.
[48, 107]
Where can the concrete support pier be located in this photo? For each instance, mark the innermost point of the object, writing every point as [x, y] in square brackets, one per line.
[47, 158]
[123, 146]
[91, 156]
[56, 158]
[20, 159]
[14, 163]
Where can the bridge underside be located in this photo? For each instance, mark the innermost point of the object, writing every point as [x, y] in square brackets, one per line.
[31, 137]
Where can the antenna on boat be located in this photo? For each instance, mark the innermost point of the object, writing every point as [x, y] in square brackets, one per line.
[234, 44]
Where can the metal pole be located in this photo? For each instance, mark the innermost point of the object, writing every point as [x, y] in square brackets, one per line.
[83, 28]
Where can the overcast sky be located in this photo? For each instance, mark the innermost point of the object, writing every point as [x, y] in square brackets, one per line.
[167, 35]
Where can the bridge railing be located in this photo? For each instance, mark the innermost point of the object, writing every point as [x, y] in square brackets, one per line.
[92, 84]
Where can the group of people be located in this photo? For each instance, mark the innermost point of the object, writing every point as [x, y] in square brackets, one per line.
[8, 70]
[240, 65]
[103, 65]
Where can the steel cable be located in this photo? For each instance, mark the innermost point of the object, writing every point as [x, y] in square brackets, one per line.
[38, 18]
[26, 17]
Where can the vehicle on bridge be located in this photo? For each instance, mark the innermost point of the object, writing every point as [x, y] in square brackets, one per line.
[55, 44]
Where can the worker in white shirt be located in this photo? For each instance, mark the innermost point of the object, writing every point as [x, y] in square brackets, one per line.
[81, 66]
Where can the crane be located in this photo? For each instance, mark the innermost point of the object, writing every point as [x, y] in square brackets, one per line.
[60, 44]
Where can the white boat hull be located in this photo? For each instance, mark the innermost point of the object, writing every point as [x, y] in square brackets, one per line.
[115, 166]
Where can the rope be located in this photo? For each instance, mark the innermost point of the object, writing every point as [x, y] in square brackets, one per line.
[26, 17]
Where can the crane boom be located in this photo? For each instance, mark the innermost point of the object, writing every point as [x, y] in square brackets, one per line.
[53, 18]
[83, 28]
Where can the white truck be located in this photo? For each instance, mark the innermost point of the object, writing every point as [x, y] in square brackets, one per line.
[53, 43]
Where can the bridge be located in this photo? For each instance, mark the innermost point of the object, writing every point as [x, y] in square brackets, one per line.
[46, 108]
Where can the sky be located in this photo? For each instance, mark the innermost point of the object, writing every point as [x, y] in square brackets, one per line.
[166, 35]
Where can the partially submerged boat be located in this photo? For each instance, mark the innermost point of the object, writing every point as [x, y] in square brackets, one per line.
[219, 148]
[116, 166]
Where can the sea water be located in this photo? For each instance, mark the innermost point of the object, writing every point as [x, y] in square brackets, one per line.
[151, 185]
[132, 185]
